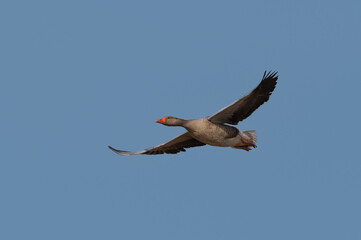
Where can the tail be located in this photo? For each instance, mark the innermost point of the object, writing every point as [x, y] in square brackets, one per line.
[250, 136]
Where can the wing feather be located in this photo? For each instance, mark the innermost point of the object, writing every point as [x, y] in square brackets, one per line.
[245, 106]
[176, 145]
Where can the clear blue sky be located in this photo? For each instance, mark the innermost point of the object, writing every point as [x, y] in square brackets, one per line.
[77, 76]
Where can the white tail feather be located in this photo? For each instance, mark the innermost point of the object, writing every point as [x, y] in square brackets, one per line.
[250, 135]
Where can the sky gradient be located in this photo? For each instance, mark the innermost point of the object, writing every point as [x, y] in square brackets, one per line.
[77, 76]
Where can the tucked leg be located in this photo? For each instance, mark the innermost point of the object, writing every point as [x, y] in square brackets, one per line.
[243, 147]
[248, 143]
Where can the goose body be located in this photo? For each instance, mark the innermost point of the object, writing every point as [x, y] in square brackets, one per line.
[214, 130]
[214, 134]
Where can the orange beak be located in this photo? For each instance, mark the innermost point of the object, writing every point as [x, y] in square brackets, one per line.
[162, 120]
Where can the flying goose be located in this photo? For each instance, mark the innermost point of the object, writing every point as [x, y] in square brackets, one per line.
[214, 130]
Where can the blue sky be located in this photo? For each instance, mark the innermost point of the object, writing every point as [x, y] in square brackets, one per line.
[77, 76]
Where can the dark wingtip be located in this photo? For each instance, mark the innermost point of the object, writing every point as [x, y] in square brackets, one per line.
[124, 153]
[115, 150]
[270, 75]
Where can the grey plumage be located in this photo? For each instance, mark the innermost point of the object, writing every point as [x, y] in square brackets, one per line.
[245, 106]
[176, 145]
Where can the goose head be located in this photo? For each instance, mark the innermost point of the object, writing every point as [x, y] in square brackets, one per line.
[170, 121]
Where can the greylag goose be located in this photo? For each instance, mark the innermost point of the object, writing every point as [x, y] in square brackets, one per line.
[214, 130]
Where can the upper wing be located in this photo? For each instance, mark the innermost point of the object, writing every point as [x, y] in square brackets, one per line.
[175, 145]
[244, 107]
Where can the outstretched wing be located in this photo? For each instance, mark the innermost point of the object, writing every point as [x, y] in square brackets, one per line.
[176, 145]
[245, 106]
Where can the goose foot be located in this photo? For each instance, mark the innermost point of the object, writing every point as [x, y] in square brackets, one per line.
[247, 147]
[243, 148]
